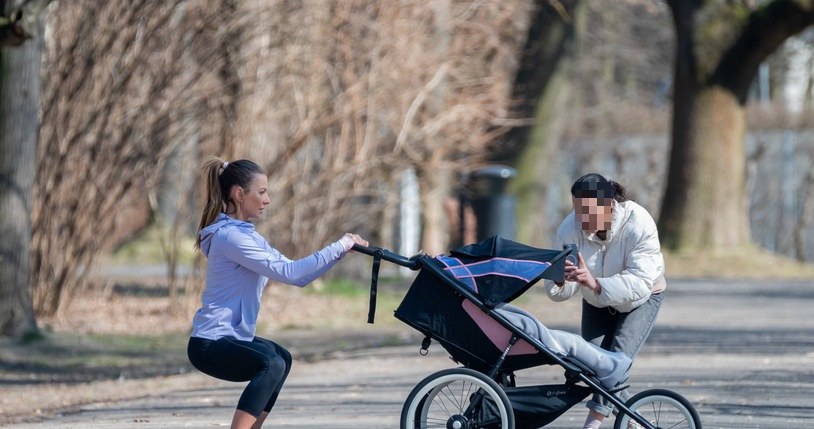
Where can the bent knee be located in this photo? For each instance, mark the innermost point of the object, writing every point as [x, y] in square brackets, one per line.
[276, 364]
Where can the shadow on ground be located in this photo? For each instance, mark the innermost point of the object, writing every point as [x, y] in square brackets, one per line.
[72, 359]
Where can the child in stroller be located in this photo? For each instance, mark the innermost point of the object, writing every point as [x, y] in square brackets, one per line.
[611, 368]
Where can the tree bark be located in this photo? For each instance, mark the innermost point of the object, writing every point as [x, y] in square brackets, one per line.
[707, 210]
[718, 52]
[19, 124]
[540, 90]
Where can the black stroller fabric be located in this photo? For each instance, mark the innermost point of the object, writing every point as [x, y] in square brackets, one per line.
[488, 273]
[535, 406]
[494, 270]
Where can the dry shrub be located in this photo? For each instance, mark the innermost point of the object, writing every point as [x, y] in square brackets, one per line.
[346, 95]
[335, 98]
[617, 119]
[114, 94]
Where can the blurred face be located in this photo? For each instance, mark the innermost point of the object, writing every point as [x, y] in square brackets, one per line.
[593, 214]
[252, 202]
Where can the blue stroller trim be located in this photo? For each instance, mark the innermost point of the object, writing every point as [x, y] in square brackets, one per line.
[504, 267]
[499, 270]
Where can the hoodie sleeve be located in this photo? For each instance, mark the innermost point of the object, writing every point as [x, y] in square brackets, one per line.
[644, 265]
[242, 249]
[568, 289]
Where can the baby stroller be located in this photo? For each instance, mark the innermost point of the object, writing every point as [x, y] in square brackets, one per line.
[453, 301]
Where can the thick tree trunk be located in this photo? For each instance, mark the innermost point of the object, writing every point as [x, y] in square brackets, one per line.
[19, 105]
[704, 203]
[718, 52]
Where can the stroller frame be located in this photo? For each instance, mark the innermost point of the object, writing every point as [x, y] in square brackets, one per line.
[575, 371]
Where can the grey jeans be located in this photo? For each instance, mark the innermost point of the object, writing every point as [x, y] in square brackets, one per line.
[618, 332]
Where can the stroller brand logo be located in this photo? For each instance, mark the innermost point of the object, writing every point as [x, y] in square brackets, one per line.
[551, 393]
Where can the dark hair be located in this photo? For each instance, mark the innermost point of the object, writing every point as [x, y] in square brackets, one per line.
[595, 185]
[219, 177]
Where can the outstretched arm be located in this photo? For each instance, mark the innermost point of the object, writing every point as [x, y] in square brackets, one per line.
[270, 263]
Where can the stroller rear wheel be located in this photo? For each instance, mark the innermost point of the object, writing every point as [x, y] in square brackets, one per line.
[458, 398]
[662, 408]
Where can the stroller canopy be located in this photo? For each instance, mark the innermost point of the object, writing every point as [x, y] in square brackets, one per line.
[499, 270]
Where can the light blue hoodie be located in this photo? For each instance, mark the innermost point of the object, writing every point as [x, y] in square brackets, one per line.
[239, 264]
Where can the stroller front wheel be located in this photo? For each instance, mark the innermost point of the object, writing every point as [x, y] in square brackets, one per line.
[662, 408]
[458, 398]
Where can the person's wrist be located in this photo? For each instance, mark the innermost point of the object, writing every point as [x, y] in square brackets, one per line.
[347, 242]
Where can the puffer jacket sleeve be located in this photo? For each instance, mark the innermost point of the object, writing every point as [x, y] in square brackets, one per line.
[644, 265]
[267, 261]
[565, 235]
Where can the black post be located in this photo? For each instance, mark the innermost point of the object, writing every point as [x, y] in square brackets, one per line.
[494, 207]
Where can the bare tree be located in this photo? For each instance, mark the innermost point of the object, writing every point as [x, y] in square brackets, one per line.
[359, 91]
[111, 102]
[334, 98]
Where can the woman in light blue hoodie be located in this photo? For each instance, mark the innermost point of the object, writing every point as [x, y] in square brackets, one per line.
[239, 264]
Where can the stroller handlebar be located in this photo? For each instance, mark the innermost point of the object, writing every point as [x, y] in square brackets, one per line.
[388, 256]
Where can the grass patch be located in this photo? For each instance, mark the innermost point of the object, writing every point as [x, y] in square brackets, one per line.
[134, 343]
[32, 336]
[340, 287]
[145, 248]
[748, 262]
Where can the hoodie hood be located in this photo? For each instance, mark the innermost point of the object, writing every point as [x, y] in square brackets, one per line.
[222, 221]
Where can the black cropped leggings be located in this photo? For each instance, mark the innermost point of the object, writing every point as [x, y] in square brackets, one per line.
[263, 363]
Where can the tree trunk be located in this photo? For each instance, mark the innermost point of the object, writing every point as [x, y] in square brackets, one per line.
[536, 168]
[435, 190]
[718, 52]
[704, 203]
[19, 124]
[540, 90]
[434, 179]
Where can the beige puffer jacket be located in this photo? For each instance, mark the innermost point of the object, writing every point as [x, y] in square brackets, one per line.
[628, 265]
